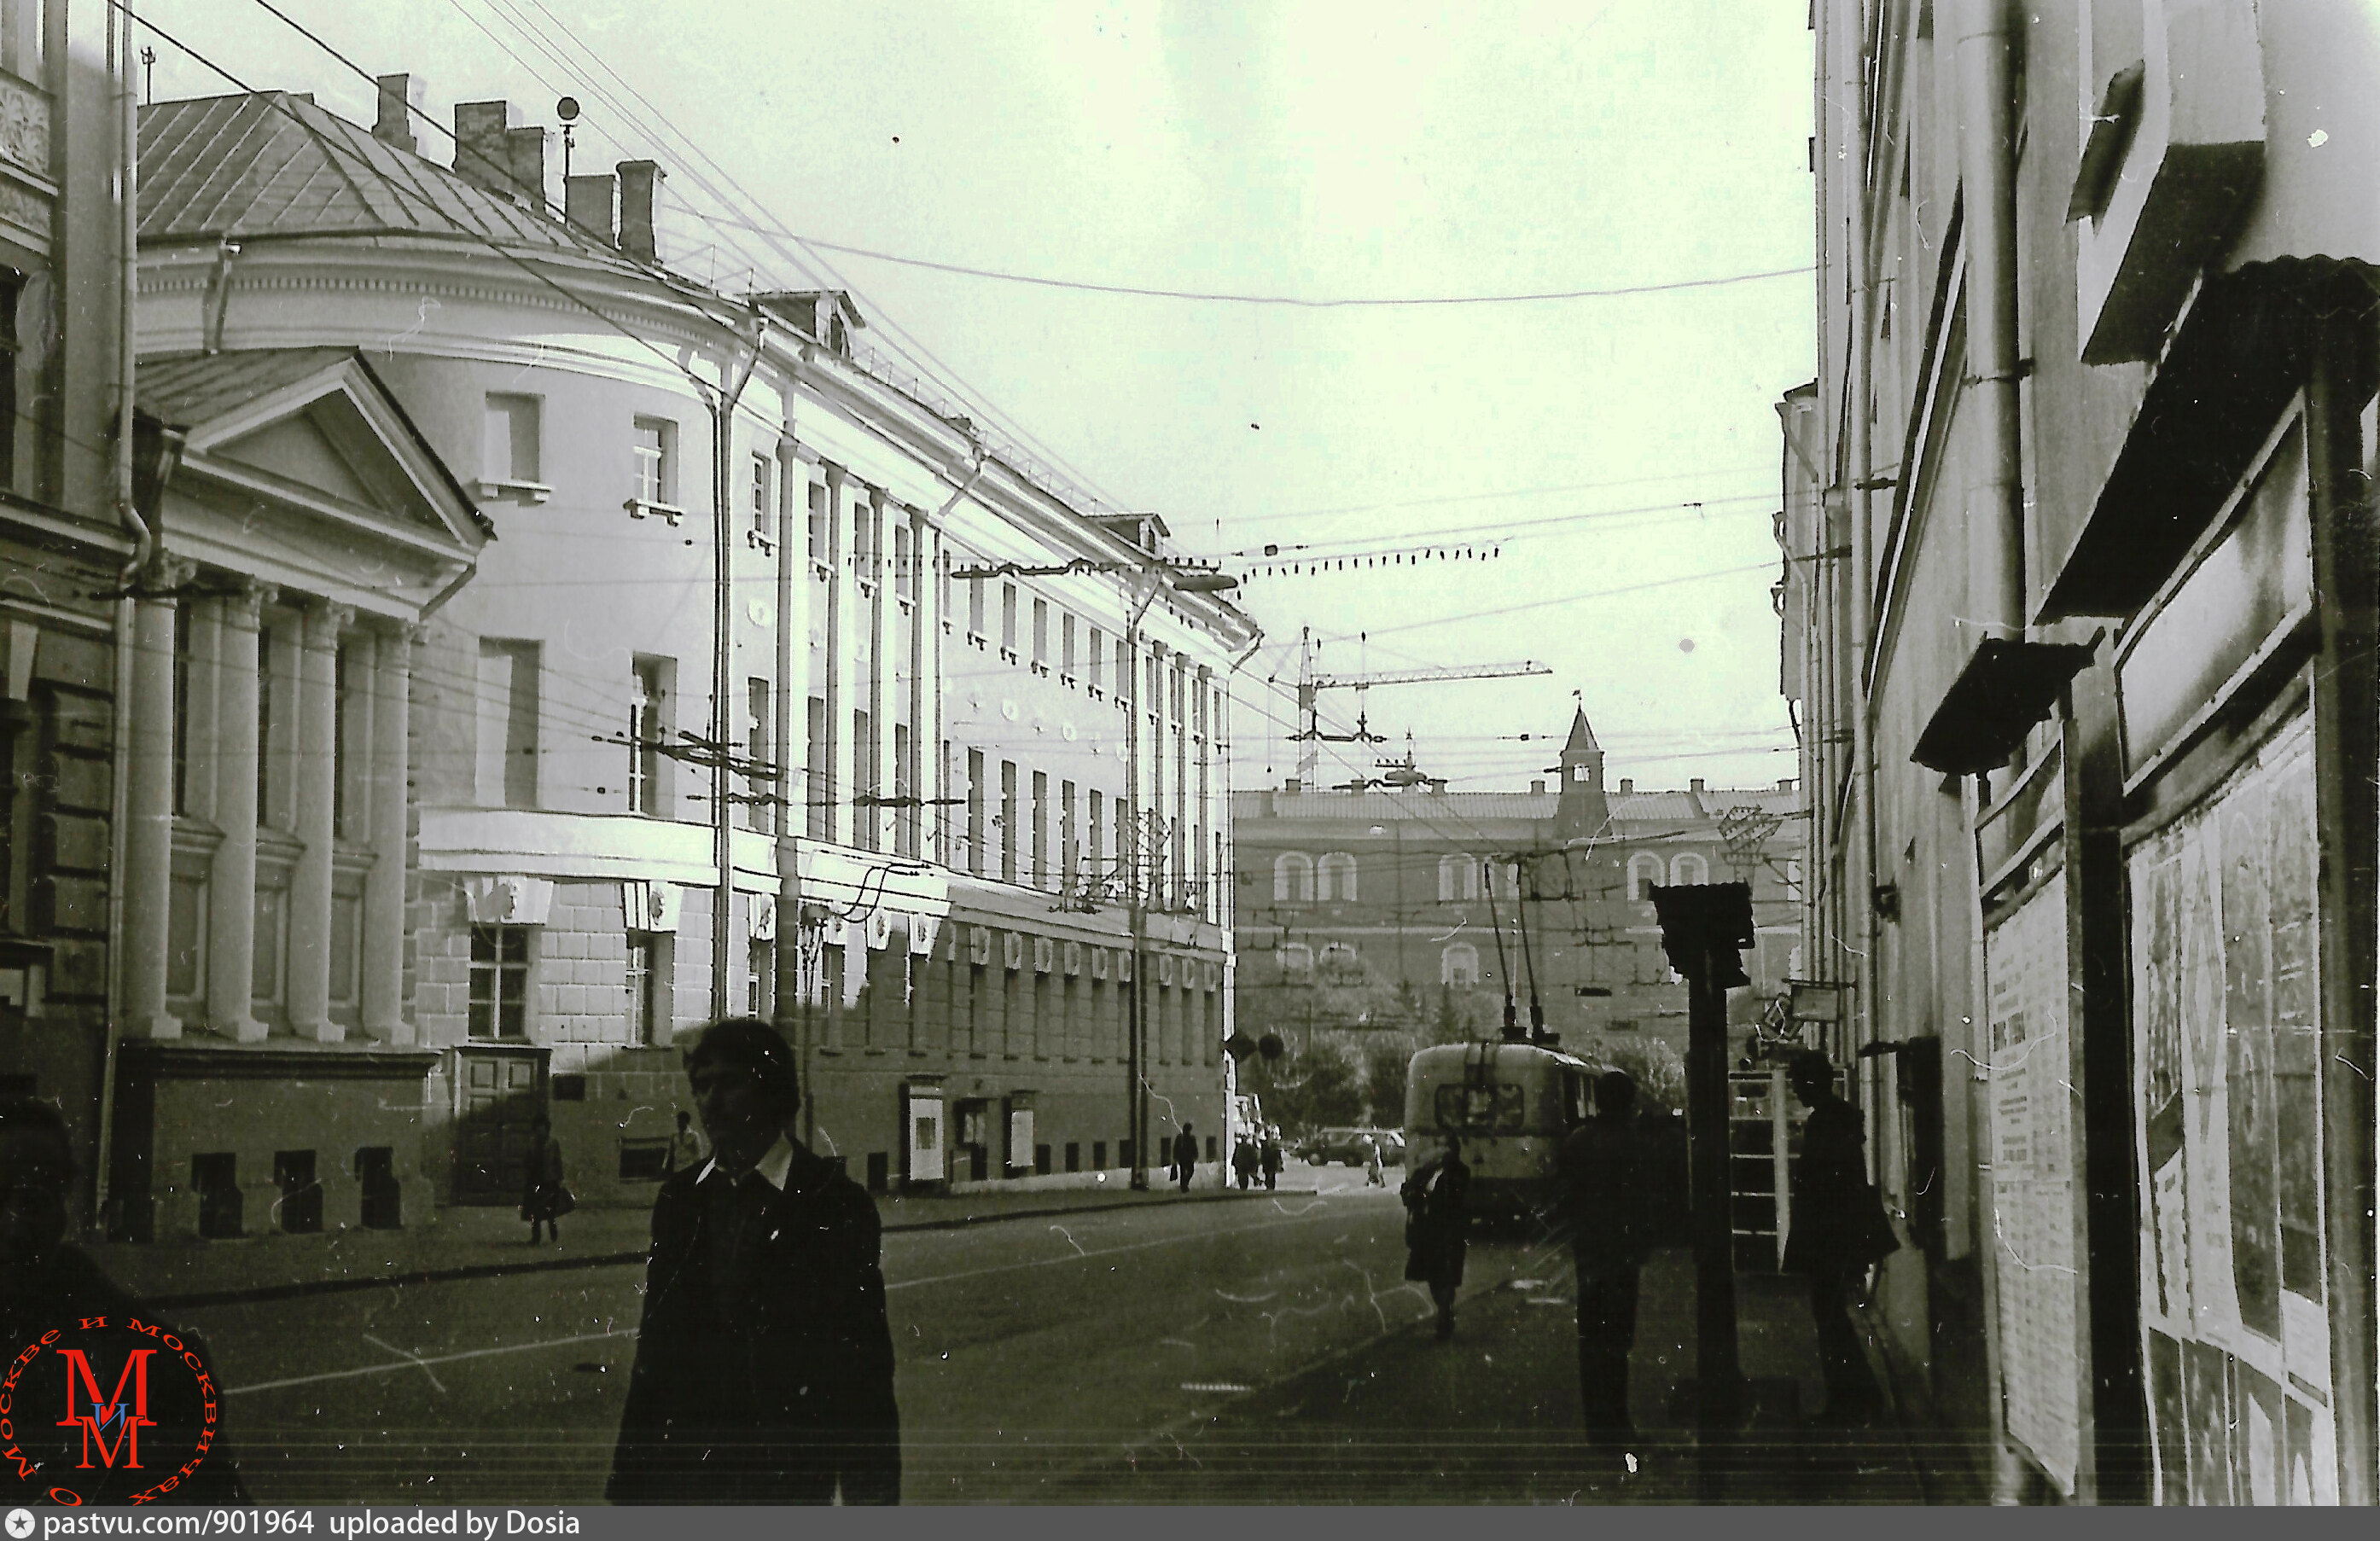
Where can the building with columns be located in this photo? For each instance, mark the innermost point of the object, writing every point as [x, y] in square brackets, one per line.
[782, 692]
[1434, 888]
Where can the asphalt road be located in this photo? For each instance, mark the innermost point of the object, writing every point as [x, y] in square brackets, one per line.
[1039, 1360]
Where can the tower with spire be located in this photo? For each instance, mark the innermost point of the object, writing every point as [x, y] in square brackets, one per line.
[1581, 812]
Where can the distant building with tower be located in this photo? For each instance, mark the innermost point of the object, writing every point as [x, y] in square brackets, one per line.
[1466, 891]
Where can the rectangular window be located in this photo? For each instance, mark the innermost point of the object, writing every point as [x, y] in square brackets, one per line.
[182, 705]
[760, 975]
[1041, 632]
[1066, 644]
[507, 766]
[1123, 669]
[820, 535]
[647, 731]
[863, 536]
[975, 829]
[1098, 842]
[974, 607]
[300, 1211]
[1008, 821]
[867, 819]
[763, 481]
[1069, 878]
[904, 578]
[760, 812]
[906, 821]
[510, 450]
[1008, 618]
[655, 444]
[1041, 829]
[1091, 655]
[499, 982]
[642, 992]
[817, 790]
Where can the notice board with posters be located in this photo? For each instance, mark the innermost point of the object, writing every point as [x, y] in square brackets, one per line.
[2034, 1197]
[2228, 1077]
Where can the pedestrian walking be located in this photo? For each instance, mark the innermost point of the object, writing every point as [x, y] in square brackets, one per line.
[1373, 1176]
[547, 1198]
[1269, 1158]
[764, 1362]
[1186, 1157]
[49, 1287]
[1243, 1162]
[1836, 1230]
[1438, 1221]
[1603, 1204]
[684, 1147]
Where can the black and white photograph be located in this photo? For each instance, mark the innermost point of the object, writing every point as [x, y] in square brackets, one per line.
[1186, 753]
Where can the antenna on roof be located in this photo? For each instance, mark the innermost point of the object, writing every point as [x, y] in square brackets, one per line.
[568, 111]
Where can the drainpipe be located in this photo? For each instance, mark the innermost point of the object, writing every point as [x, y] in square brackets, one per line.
[1995, 512]
[1136, 901]
[1859, 897]
[722, 838]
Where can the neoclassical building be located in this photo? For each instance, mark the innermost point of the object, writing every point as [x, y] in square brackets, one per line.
[1419, 882]
[777, 691]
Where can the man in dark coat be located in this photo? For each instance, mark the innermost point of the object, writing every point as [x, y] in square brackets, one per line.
[764, 1366]
[1438, 1224]
[50, 1296]
[1830, 1233]
[1186, 1157]
[1270, 1158]
[1603, 1200]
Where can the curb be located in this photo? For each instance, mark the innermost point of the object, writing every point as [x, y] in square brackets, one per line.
[261, 1294]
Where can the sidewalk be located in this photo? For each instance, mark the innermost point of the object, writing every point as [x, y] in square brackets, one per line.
[1494, 1416]
[485, 1242]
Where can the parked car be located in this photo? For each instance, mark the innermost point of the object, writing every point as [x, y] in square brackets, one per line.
[1344, 1146]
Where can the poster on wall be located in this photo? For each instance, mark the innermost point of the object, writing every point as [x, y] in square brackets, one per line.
[2033, 1180]
[2228, 1078]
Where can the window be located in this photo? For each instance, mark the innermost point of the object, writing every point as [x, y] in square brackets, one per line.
[1008, 821]
[907, 817]
[867, 816]
[507, 762]
[759, 814]
[1336, 877]
[1292, 878]
[1688, 868]
[499, 982]
[1458, 879]
[1066, 644]
[1091, 654]
[975, 830]
[1643, 872]
[644, 1017]
[647, 731]
[1098, 842]
[655, 444]
[1458, 967]
[863, 536]
[1123, 669]
[1008, 619]
[904, 580]
[760, 975]
[974, 607]
[821, 532]
[763, 480]
[1297, 958]
[509, 457]
[1041, 829]
[1483, 1110]
[817, 774]
[1041, 633]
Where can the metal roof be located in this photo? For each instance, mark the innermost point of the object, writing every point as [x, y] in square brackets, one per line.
[273, 164]
[187, 389]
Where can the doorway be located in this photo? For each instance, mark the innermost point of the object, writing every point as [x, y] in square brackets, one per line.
[500, 1092]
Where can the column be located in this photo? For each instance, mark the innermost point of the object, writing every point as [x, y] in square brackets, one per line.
[383, 925]
[149, 803]
[231, 890]
[310, 883]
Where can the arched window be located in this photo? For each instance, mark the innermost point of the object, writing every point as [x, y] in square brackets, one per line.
[1458, 967]
[1643, 871]
[1458, 879]
[1297, 958]
[1688, 868]
[1504, 881]
[1335, 876]
[1292, 878]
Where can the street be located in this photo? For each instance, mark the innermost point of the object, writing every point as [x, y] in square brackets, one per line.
[1037, 1356]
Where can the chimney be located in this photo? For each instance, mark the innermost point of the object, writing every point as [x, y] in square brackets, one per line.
[1436, 787]
[525, 161]
[479, 129]
[1694, 785]
[639, 182]
[400, 98]
[589, 203]
[1293, 786]
[1627, 785]
[1537, 789]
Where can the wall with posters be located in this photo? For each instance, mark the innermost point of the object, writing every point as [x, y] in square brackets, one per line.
[2228, 1080]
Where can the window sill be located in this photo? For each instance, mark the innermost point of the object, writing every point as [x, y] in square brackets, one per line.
[1008, 655]
[639, 509]
[523, 492]
[1041, 668]
[908, 606]
[820, 571]
[867, 587]
[759, 541]
[979, 642]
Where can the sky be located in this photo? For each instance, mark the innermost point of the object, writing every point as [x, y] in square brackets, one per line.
[1619, 455]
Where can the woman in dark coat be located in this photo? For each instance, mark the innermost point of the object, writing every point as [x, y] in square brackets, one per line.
[545, 1200]
[1832, 1235]
[1437, 1200]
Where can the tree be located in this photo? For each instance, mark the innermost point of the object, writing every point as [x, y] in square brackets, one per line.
[1660, 1074]
[1385, 1067]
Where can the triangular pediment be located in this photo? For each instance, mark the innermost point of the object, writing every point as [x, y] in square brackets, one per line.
[327, 447]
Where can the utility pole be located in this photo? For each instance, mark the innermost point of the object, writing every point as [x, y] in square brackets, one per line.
[1705, 928]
